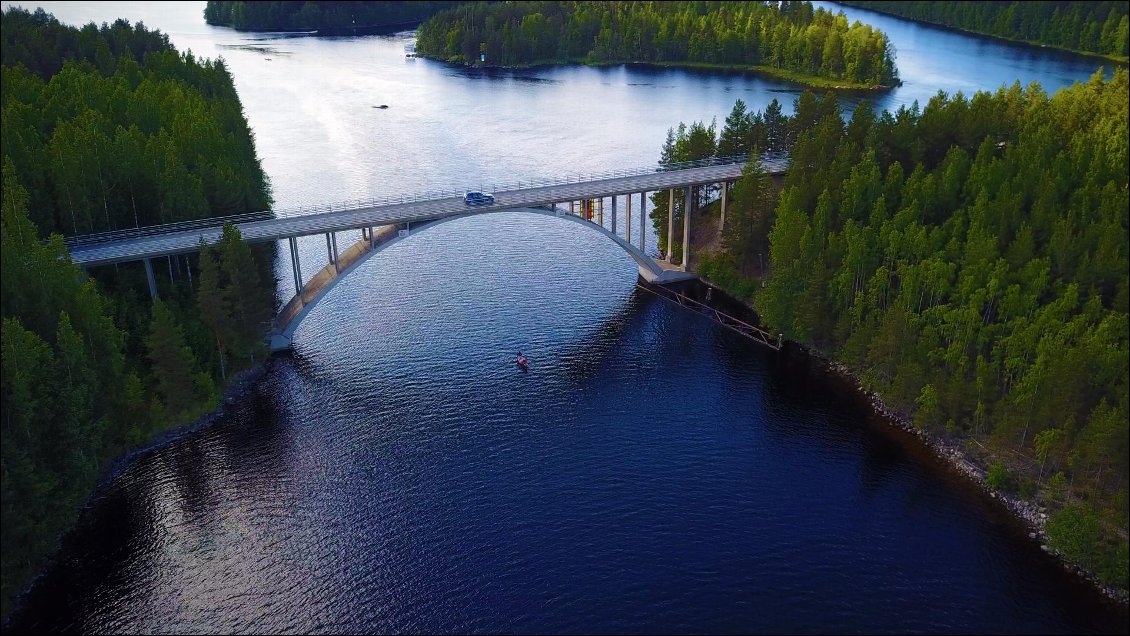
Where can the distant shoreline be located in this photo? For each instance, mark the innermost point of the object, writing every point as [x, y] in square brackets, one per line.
[766, 71]
[1039, 45]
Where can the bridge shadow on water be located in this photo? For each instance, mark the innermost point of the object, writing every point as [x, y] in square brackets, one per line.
[585, 360]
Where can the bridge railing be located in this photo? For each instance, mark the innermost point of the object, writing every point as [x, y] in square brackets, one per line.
[165, 228]
[775, 160]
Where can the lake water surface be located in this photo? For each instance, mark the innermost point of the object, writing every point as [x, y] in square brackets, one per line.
[653, 472]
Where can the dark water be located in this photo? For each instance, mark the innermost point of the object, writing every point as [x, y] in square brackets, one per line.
[652, 472]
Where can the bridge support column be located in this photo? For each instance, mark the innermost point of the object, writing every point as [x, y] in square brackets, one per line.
[628, 220]
[722, 222]
[614, 214]
[152, 281]
[643, 214]
[372, 237]
[600, 211]
[331, 250]
[687, 226]
[296, 267]
[671, 226]
[572, 208]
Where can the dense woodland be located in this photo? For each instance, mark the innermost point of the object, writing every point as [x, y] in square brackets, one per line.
[787, 36]
[1094, 27]
[742, 133]
[969, 260]
[312, 16]
[106, 128]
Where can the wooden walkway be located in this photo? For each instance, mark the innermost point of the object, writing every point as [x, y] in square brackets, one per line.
[752, 332]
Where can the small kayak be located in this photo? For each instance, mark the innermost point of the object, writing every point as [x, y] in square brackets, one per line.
[522, 362]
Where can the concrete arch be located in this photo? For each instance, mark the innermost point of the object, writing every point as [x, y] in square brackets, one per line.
[288, 320]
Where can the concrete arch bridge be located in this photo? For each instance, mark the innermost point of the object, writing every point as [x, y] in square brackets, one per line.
[383, 222]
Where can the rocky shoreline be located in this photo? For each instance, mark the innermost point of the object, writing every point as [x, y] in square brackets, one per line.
[241, 384]
[1034, 516]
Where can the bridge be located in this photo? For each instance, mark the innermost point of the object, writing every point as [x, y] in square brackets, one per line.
[384, 222]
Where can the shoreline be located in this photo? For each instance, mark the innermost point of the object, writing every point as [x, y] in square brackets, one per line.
[1030, 513]
[999, 38]
[949, 452]
[242, 383]
[810, 82]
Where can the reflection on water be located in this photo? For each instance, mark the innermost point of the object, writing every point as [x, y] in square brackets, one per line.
[652, 472]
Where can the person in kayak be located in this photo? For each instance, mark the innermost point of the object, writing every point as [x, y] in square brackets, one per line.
[522, 361]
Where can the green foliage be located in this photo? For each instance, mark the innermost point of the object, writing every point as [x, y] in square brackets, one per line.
[1000, 479]
[105, 128]
[721, 269]
[174, 365]
[1077, 532]
[248, 302]
[329, 15]
[970, 260]
[214, 309]
[698, 141]
[63, 373]
[750, 214]
[1095, 27]
[140, 140]
[792, 37]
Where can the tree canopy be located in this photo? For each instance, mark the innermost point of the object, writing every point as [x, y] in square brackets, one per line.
[1094, 27]
[789, 36]
[300, 15]
[105, 128]
[969, 260]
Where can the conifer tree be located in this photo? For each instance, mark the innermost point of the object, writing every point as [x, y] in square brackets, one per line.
[173, 364]
[213, 304]
[247, 299]
[737, 134]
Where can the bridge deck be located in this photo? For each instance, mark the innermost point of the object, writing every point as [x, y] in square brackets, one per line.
[113, 248]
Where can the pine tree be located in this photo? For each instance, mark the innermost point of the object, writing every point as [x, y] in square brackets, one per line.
[737, 134]
[213, 304]
[747, 226]
[247, 299]
[173, 364]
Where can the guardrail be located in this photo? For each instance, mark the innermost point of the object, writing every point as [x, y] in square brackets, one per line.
[165, 228]
[774, 158]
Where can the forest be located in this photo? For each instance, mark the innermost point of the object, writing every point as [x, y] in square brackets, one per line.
[968, 260]
[299, 15]
[791, 39]
[1100, 28]
[107, 128]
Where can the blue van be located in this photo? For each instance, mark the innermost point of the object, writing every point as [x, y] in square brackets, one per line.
[475, 197]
